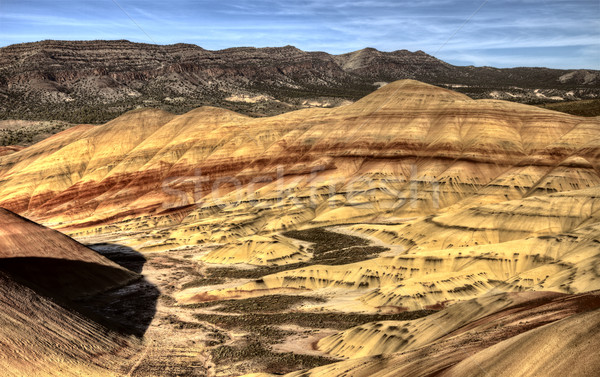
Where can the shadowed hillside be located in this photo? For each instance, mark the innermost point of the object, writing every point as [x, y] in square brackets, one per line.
[61, 310]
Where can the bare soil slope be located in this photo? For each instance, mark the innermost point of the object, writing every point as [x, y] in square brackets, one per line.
[53, 263]
[413, 198]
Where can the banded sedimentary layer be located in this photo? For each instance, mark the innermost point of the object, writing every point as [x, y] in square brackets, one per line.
[477, 194]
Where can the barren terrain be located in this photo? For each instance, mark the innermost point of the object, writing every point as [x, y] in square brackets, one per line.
[95, 81]
[416, 231]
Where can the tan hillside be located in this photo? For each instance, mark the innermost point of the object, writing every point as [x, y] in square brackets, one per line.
[41, 272]
[40, 338]
[525, 334]
[478, 194]
[564, 351]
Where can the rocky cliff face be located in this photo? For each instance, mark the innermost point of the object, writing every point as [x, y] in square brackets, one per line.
[94, 81]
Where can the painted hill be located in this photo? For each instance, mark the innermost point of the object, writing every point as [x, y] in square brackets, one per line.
[478, 194]
[500, 335]
[483, 209]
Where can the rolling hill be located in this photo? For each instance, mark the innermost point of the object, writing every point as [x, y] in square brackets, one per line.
[54, 264]
[412, 199]
[509, 191]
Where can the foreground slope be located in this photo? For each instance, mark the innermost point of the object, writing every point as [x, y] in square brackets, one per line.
[54, 264]
[501, 335]
[42, 332]
[41, 338]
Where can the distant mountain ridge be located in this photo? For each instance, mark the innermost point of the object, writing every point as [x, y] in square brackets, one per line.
[93, 81]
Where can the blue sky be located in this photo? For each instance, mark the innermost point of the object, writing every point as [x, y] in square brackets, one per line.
[503, 33]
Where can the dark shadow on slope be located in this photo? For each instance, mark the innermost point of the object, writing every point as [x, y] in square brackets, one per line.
[65, 280]
[133, 306]
[124, 256]
[328, 248]
[116, 298]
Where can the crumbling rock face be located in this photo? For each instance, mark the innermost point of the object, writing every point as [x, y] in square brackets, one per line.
[93, 81]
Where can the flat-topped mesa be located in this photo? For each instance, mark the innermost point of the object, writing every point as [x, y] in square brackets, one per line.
[94, 81]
